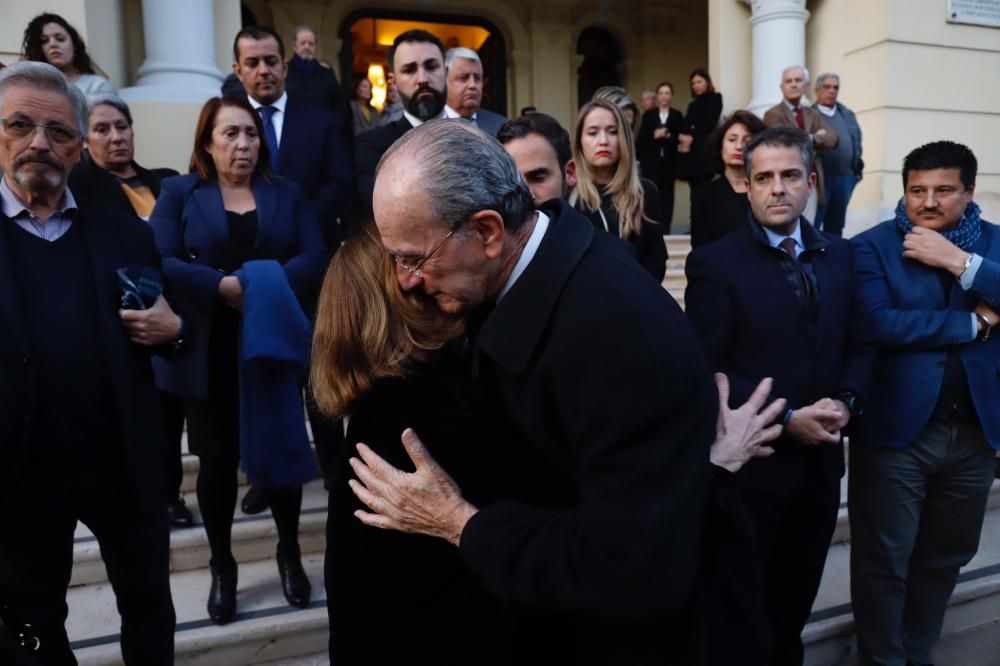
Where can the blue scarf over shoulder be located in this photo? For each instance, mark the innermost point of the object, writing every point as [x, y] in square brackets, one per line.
[964, 234]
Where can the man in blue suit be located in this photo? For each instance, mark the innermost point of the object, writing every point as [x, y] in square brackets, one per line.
[305, 141]
[774, 299]
[923, 460]
[307, 147]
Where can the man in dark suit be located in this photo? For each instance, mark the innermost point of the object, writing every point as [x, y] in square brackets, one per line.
[656, 148]
[310, 81]
[465, 91]
[594, 550]
[306, 147]
[305, 141]
[792, 321]
[922, 459]
[110, 176]
[80, 431]
[417, 61]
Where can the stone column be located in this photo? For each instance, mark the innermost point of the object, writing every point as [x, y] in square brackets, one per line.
[779, 41]
[180, 63]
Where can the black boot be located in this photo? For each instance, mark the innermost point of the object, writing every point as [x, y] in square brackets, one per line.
[222, 596]
[294, 582]
[255, 501]
[178, 515]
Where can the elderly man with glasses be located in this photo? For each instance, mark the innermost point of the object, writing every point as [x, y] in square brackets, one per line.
[80, 432]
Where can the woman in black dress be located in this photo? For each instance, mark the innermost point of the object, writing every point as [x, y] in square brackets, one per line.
[722, 205]
[608, 188]
[702, 117]
[380, 363]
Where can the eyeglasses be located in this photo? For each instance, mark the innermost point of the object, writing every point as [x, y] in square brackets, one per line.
[414, 268]
[17, 128]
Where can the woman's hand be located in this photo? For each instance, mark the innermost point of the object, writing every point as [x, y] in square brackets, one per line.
[231, 292]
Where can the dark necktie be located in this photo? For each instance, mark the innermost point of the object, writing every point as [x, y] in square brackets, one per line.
[788, 245]
[270, 135]
[800, 119]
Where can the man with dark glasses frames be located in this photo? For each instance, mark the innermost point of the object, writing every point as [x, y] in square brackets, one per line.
[80, 433]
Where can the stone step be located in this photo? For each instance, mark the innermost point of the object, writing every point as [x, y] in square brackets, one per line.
[829, 635]
[675, 279]
[266, 628]
[254, 538]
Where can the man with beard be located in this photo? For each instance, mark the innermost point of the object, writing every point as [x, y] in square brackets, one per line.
[80, 430]
[416, 58]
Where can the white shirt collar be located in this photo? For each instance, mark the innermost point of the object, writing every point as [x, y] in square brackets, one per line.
[775, 238]
[417, 122]
[792, 107]
[827, 111]
[452, 113]
[530, 248]
[278, 104]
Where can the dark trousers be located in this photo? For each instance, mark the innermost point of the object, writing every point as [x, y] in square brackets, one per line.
[95, 489]
[664, 181]
[830, 216]
[793, 533]
[916, 516]
[173, 426]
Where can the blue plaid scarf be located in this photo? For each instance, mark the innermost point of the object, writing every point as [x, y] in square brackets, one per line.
[964, 234]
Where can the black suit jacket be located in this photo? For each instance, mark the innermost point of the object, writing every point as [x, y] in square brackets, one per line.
[313, 154]
[113, 241]
[91, 182]
[368, 150]
[753, 325]
[595, 368]
[658, 155]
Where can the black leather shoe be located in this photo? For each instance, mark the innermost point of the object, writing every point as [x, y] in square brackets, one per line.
[294, 582]
[222, 596]
[254, 501]
[178, 515]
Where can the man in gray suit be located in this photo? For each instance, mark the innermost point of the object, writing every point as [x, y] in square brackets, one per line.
[465, 91]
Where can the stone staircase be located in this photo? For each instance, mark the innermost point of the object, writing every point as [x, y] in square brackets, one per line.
[268, 631]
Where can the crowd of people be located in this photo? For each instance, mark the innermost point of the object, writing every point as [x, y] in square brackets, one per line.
[526, 451]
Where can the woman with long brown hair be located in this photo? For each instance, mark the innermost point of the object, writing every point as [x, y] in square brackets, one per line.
[382, 362]
[608, 188]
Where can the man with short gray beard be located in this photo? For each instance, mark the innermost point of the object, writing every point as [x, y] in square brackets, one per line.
[417, 62]
[80, 432]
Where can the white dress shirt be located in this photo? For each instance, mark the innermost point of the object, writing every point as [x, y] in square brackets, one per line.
[278, 118]
[530, 248]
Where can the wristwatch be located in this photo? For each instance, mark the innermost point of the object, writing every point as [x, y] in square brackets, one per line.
[850, 399]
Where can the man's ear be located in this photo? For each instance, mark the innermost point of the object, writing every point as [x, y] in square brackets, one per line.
[487, 226]
[570, 174]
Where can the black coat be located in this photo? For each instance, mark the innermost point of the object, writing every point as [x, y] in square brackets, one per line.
[368, 150]
[113, 241]
[597, 370]
[383, 584]
[752, 325]
[716, 210]
[702, 118]
[648, 247]
[91, 182]
[658, 155]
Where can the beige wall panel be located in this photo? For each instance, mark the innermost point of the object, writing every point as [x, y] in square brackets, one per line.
[164, 133]
[944, 78]
[729, 49]
[227, 24]
[925, 22]
[105, 40]
[906, 129]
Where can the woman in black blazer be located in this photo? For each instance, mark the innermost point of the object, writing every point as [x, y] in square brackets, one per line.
[378, 363]
[608, 188]
[656, 146]
[722, 205]
[208, 224]
[109, 175]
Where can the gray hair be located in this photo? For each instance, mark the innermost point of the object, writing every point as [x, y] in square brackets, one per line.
[303, 28]
[824, 76]
[779, 137]
[42, 75]
[463, 171]
[114, 101]
[805, 71]
[460, 52]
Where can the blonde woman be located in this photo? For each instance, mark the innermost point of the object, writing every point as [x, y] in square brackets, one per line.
[608, 188]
